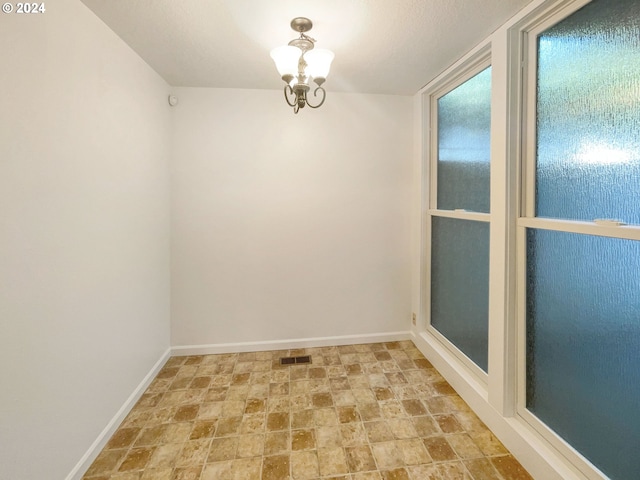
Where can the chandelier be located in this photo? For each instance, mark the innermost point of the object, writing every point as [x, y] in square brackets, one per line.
[298, 63]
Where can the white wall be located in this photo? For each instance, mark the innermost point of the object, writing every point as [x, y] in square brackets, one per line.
[84, 234]
[289, 226]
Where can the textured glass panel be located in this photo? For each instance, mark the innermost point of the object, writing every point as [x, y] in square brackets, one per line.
[583, 344]
[464, 121]
[460, 285]
[588, 115]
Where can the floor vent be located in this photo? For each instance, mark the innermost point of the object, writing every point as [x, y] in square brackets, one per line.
[295, 360]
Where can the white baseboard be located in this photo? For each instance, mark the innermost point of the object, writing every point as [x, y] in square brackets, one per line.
[540, 459]
[181, 350]
[94, 450]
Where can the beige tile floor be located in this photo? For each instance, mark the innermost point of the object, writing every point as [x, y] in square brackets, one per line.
[358, 412]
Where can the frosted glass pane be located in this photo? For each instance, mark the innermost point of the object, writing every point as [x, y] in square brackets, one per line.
[588, 114]
[464, 121]
[460, 285]
[583, 344]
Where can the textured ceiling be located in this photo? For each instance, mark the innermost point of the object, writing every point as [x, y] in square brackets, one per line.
[381, 46]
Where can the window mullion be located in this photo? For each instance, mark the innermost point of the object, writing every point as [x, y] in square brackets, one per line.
[505, 206]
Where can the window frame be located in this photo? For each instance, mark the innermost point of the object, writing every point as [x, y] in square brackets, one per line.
[474, 64]
[494, 397]
[528, 31]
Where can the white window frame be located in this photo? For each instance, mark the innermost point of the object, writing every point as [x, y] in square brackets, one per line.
[527, 33]
[474, 64]
[497, 398]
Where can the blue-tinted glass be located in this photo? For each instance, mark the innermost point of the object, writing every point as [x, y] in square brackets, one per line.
[460, 285]
[588, 115]
[464, 121]
[583, 344]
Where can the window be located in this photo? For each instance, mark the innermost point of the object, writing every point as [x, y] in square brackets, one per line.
[531, 258]
[581, 264]
[459, 214]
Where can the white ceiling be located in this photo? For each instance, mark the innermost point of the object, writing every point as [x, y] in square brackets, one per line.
[381, 46]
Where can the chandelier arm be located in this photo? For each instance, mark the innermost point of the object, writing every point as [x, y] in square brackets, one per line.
[315, 94]
[289, 91]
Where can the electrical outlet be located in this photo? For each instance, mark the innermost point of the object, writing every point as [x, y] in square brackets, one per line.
[413, 318]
